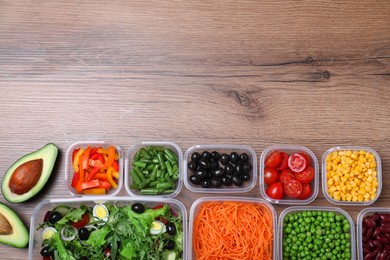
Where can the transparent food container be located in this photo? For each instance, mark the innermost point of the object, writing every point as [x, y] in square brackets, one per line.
[321, 233]
[369, 212]
[35, 242]
[246, 185]
[289, 150]
[353, 178]
[197, 207]
[129, 180]
[69, 170]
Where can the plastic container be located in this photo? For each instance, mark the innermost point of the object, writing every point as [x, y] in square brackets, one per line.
[69, 172]
[297, 209]
[46, 205]
[362, 214]
[247, 185]
[290, 149]
[129, 165]
[198, 203]
[325, 183]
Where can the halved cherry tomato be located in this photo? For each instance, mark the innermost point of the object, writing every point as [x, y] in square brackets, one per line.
[285, 176]
[306, 191]
[270, 176]
[293, 188]
[273, 160]
[284, 163]
[46, 258]
[297, 162]
[275, 191]
[305, 176]
[82, 222]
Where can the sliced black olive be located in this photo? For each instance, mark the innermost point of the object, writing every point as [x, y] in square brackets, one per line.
[206, 155]
[246, 167]
[83, 233]
[203, 163]
[215, 155]
[233, 157]
[195, 156]
[215, 182]
[171, 228]
[169, 244]
[226, 180]
[194, 179]
[206, 183]
[192, 165]
[244, 157]
[45, 251]
[237, 180]
[213, 165]
[201, 174]
[138, 208]
[217, 173]
[228, 169]
[54, 217]
[224, 159]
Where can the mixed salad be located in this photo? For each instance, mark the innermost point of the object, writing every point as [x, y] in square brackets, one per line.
[110, 231]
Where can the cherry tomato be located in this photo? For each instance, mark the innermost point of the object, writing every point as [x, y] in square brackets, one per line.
[275, 191]
[297, 162]
[285, 176]
[284, 163]
[306, 191]
[305, 176]
[82, 222]
[273, 160]
[270, 176]
[293, 188]
[107, 252]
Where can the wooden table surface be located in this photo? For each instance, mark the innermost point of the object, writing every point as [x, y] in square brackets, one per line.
[311, 73]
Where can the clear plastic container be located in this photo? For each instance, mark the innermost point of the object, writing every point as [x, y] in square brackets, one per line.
[198, 203]
[47, 205]
[325, 183]
[129, 165]
[247, 185]
[290, 149]
[362, 214]
[297, 209]
[69, 172]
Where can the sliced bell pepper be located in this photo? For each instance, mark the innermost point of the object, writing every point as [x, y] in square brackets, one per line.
[109, 177]
[76, 159]
[104, 184]
[95, 191]
[89, 184]
[96, 163]
[115, 164]
[111, 156]
[94, 151]
[81, 177]
[86, 157]
[92, 173]
[115, 174]
[75, 179]
[101, 177]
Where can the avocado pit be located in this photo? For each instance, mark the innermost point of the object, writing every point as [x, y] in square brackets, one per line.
[5, 226]
[26, 176]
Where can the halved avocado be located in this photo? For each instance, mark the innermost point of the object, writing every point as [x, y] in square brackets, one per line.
[12, 230]
[29, 174]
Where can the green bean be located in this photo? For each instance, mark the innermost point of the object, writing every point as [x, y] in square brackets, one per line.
[139, 173]
[134, 176]
[145, 153]
[168, 191]
[139, 164]
[144, 183]
[154, 172]
[137, 156]
[161, 160]
[149, 191]
[169, 168]
[164, 185]
[150, 167]
[170, 154]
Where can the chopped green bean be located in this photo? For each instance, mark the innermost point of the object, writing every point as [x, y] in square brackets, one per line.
[169, 168]
[134, 176]
[139, 173]
[139, 164]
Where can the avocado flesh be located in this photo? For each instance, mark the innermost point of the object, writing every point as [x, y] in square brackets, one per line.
[12, 230]
[48, 154]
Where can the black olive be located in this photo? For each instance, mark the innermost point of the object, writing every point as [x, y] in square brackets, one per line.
[246, 167]
[169, 244]
[201, 174]
[192, 165]
[215, 182]
[194, 179]
[213, 165]
[171, 228]
[45, 251]
[237, 169]
[206, 155]
[206, 183]
[244, 157]
[228, 169]
[233, 157]
[224, 159]
[203, 163]
[195, 156]
[215, 155]
[138, 208]
[237, 180]
[227, 181]
[83, 233]
[217, 173]
[54, 217]
[83, 258]
[245, 176]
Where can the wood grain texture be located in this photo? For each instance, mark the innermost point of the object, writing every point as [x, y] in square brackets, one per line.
[313, 73]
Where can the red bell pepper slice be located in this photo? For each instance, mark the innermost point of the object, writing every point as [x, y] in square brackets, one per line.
[86, 157]
[89, 184]
[104, 184]
[75, 179]
[115, 165]
[92, 174]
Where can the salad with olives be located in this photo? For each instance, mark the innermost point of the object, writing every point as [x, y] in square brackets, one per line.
[110, 231]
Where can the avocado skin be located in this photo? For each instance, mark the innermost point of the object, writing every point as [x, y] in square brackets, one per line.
[20, 236]
[49, 154]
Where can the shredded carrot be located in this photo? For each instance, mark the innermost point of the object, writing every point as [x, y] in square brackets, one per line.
[233, 230]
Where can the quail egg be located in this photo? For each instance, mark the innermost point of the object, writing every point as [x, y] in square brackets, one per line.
[100, 212]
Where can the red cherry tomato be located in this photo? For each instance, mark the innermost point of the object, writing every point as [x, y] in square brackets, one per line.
[297, 162]
[285, 176]
[273, 160]
[293, 188]
[270, 176]
[284, 163]
[275, 191]
[82, 222]
[305, 176]
[306, 191]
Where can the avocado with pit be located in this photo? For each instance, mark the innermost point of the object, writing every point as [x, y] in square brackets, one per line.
[12, 230]
[29, 174]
